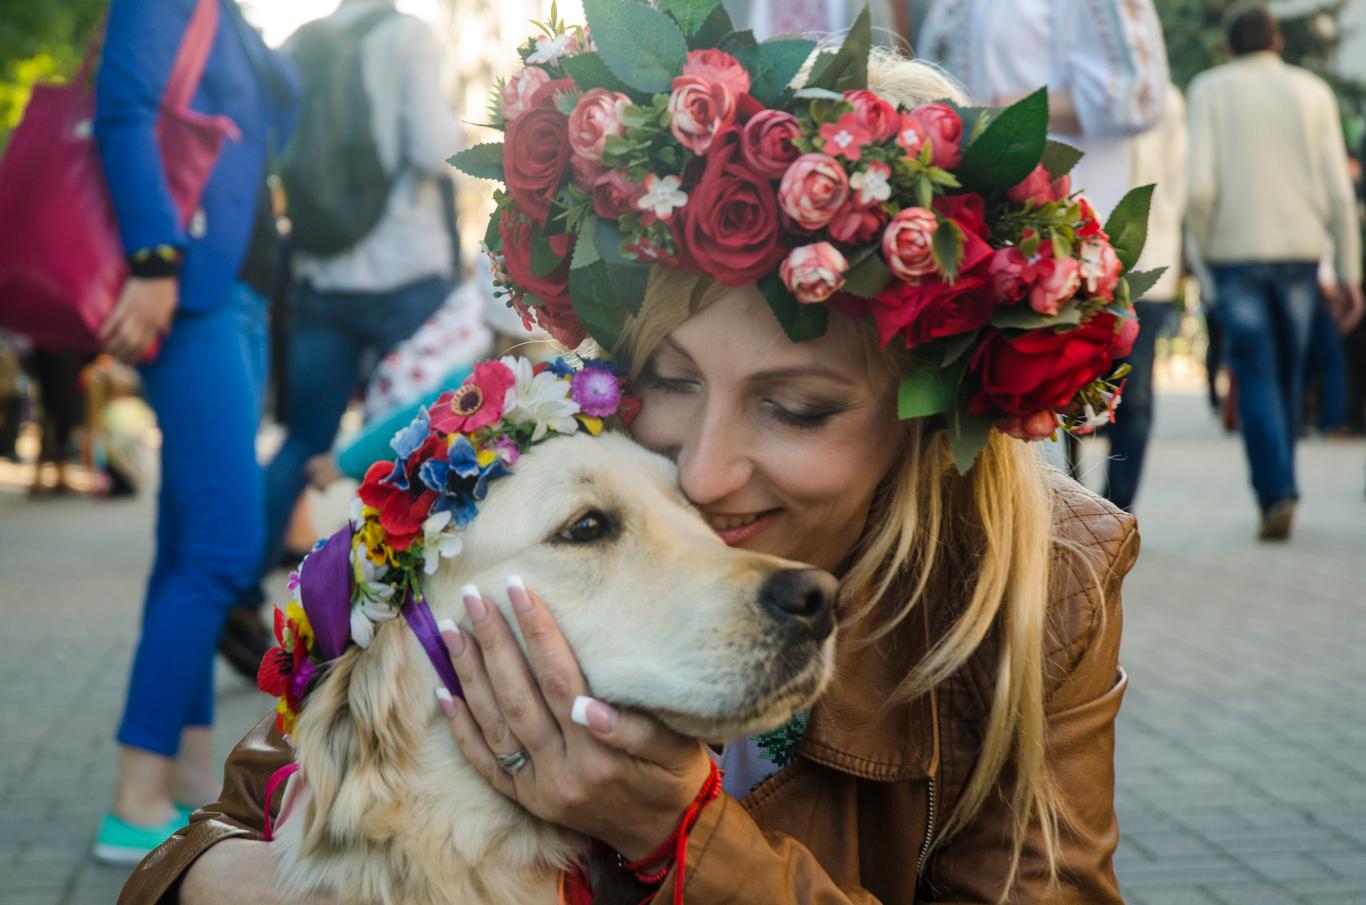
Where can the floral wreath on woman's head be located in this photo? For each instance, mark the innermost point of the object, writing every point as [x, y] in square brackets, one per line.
[663, 136]
[409, 513]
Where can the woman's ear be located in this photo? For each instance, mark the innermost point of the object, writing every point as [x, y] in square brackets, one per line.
[356, 743]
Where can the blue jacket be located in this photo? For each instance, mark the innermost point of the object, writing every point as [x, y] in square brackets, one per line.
[243, 80]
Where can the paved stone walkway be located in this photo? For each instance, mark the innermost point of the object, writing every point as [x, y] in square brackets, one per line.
[1242, 750]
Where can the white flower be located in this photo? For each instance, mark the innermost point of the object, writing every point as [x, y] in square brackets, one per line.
[662, 195]
[542, 399]
[548, 50]
[872, 183]
[357, 514]
[362, 629]
[437, 542]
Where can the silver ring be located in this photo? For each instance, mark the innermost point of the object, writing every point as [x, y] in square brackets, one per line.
[514, 762]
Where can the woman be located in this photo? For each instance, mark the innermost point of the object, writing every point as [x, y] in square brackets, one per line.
[204, 383]
[964, 752]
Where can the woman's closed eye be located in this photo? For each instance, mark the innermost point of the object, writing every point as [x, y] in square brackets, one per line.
[652, 379]
[802, 417]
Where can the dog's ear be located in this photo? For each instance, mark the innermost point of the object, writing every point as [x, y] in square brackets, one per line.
[357, 739]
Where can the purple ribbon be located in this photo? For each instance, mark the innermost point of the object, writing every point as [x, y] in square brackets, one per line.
[325, 590]
[423, 624]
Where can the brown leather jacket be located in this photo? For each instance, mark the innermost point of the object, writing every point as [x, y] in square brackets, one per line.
[852, 819]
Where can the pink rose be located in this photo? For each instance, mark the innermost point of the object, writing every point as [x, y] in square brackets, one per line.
[698, 109]
[1040, 188]
[1011, 274]
[518, 91]
[1100, 267]
[1057, 281]
[813, 189]
[907, 243]
[856, 224]
[586, 172]
[614, 194]
[597, 115]
[874, 114]
[718, 67]
[1038, 426]
[944, 130]
[766, 142]
[813, 273]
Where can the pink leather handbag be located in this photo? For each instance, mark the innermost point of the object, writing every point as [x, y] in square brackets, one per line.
[62, 264]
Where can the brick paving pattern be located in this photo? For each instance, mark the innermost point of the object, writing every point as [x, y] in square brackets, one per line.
[1242, 744]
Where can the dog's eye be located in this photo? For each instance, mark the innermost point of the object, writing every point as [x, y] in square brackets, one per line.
[587, 528]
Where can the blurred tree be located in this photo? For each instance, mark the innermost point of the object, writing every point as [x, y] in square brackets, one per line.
[40, 40]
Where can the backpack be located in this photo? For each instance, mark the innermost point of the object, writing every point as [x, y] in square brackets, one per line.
[333, 177]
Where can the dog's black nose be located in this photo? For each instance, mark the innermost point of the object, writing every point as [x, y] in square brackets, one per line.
[804, 595]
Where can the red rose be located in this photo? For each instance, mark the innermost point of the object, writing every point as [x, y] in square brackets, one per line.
[586, 172]
[856, 224]
[614, 194]
[730, 224]
[970, 213]
[555, 314]
[1040, 188]
[767, 142]
[1044, 369]
[931, 309]
[699, 110]
[874, 114]
[541, 137]
[944, 130]
[719, 67]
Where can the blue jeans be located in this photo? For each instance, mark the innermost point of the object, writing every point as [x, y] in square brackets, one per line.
[1134, 418]
[332, 336]
[1267, 311]
[205, 387]
[1327, 367]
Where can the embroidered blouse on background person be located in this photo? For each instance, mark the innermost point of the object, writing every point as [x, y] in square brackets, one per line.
[964, 749]
[1108, 55]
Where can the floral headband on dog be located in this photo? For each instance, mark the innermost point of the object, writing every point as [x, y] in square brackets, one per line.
[409, 513]
[663, 136]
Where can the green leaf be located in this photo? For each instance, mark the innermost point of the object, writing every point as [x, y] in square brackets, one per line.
[609, 241]
[1062, 248]
[589, 71]
[947, 249]
[642, 46]
[772, 65]
[1128, 225]
[955, 347]
[847, 69]
[596, 305]
[1022, 317]
[1142, 281]
[928, 388]
[1059, 158]
[869, 277]
[585, 248]
[968, 436]
[712, 31]
[492, 237]
[628, 284]
[689, 14]
[481, 161]
[1009, 147]
[800, 322]
[543, 257]
[738, 39]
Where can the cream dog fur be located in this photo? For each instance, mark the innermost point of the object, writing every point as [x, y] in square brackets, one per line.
[662, 616]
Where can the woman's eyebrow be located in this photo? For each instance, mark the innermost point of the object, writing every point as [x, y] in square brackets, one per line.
[781, 373]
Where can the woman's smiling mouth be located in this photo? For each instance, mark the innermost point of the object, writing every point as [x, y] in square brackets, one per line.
[735, 529]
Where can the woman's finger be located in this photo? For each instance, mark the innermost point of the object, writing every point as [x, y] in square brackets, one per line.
[515, 691]
[469, 738]
[636, 734]
[474, 683]
[556, 668]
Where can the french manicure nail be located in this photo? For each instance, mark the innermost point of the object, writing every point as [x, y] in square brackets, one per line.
[443, 698]
[517, 595]
[594, 714]
[474, 603]
[454, 638]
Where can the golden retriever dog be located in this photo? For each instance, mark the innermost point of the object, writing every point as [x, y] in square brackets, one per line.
[665, 618]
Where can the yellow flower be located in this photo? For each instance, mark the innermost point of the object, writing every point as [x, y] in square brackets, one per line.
[304, 630]
[591, 424]
[485, 457]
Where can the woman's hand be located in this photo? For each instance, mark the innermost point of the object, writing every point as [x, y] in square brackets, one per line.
[613, 775]
[239, 872]
[142, 316]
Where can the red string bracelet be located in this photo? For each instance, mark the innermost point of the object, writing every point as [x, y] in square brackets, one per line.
[654, 867]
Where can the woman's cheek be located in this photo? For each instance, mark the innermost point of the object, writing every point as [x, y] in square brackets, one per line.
[661, 424]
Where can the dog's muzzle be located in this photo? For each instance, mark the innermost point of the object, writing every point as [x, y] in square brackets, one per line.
[802, 597]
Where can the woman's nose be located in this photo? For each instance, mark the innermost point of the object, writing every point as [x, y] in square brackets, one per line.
[713, 463]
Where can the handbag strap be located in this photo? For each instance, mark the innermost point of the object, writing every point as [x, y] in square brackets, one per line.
[193, 54]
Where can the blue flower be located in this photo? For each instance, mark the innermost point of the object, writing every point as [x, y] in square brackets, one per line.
[602, 364]
[459, 481]
[560, 368]
[398, 477]
[407, 441]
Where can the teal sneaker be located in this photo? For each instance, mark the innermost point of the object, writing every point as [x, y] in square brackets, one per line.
[124, 844]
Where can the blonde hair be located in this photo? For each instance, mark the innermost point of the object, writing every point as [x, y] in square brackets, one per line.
[994, 524]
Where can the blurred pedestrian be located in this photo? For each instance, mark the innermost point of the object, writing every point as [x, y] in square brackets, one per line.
[371, 236]
[1269, 191]
[199, 382]
[1159, 158]
[61, 411]
[769, 18]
